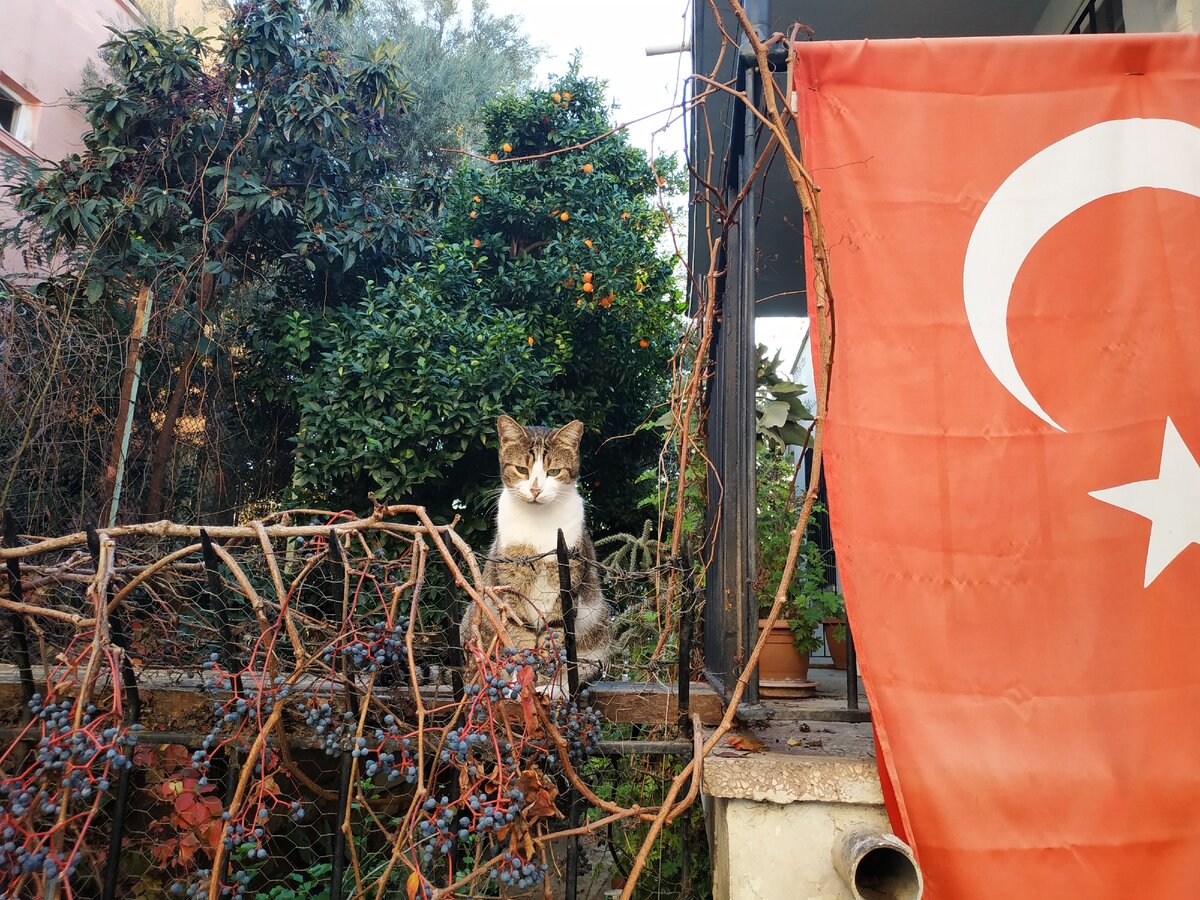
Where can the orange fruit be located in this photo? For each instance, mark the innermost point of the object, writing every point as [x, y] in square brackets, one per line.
[477, 242]
[476, 199]
[507, 148]
[587, 242]
[588, 287]
[579, 302]
[566, 95]
[564, 217]
[556, 97]
[587, 168]
[606, 301]
[587, 276]
[493, 157]
[530, 339]
[643, 343]
[474, 214]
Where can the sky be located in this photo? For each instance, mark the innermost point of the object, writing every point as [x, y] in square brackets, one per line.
[613, 36]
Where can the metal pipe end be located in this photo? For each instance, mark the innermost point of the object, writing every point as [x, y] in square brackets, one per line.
[877, 865]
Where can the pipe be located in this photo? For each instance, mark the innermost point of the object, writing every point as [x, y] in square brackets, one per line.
[877, 865]
[668, 49]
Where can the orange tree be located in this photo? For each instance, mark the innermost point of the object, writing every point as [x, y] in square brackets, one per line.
[546, 295]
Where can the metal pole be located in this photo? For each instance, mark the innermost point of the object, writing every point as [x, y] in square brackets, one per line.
[338, 872]
[20, 633]
[684, 662]
[574, 812]
[346, 769]
[567, 599]
[851, 671]
[221, 612]
[133, 714]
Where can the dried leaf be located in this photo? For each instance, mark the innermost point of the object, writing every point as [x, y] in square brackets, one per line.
[413, 885]
[750, 745]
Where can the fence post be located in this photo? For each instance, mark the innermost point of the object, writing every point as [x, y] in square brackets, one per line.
[683, 662]
[20, 633]
[338, 872]
[133, 715]
[346, 762]
[851, 670]
[220, 611]
[567, 599]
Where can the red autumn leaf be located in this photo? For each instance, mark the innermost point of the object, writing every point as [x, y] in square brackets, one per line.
[188, 845]
[525, 679]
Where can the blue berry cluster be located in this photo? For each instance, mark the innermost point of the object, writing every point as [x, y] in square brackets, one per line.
[443, 825]
[512, 870]
[69, 765]
[580, 727]
[376, 648]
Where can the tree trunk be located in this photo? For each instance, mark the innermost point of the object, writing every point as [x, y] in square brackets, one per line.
[164, 445]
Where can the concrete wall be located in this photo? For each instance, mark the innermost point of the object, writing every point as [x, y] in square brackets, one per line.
[775, 817]
[44, 47]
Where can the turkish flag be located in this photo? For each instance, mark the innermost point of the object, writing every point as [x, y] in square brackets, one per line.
[1013, 428]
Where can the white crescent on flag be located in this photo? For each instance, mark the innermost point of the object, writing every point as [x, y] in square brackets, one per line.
[1108, 158]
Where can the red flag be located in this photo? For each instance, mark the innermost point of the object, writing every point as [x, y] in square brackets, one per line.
[1013, 429]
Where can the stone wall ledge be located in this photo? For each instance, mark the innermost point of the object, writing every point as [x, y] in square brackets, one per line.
[772, 777]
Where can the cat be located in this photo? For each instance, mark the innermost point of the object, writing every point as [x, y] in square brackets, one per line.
[539, 467]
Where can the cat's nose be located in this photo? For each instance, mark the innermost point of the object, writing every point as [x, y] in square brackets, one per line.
[534, 490]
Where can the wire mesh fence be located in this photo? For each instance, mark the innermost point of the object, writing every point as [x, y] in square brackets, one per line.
[280, 710]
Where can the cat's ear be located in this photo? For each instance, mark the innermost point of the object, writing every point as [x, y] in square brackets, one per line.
[569, 435]
[509, 430]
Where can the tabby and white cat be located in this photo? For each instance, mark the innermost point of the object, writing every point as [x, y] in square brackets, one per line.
[539, 467]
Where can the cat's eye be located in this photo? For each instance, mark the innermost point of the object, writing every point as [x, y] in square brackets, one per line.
[554, 473]
[521, 470]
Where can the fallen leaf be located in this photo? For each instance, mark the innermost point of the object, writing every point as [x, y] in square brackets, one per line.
[750, 745]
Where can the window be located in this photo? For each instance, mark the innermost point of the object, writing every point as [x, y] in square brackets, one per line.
[10, 111]
[1099, 17]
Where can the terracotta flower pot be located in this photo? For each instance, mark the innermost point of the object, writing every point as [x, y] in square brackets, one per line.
[780, 660]
[836, 645]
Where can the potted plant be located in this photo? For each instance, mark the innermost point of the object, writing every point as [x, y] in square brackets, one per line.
[809, 598]
[834, 628]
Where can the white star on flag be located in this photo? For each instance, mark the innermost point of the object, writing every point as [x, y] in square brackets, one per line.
[1171, 502]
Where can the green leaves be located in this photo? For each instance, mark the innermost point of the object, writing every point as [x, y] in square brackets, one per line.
[399, 394]
[780, 404]
[810, 596]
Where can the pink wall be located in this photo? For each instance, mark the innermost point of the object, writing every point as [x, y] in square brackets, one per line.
[44, 46]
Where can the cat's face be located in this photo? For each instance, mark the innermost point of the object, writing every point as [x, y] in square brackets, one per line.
[538, 465]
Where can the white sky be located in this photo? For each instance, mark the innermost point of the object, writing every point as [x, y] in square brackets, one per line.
[613, 36]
